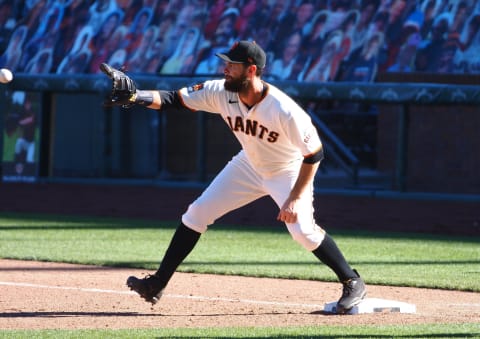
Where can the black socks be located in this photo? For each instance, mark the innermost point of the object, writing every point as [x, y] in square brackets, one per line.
[185, 239]
[330, 255]
[182, 243]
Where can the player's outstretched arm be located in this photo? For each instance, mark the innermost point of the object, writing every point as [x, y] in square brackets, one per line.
[125, 93]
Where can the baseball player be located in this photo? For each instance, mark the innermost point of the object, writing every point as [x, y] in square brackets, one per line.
[281, 152]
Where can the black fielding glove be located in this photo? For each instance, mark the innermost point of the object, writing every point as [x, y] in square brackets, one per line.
[124, 91]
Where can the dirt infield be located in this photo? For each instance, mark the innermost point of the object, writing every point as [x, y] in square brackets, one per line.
[52, 295]
[39, 295]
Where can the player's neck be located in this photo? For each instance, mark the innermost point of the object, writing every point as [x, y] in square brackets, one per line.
[254, 94]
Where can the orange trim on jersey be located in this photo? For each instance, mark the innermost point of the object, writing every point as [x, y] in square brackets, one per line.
[313, 153]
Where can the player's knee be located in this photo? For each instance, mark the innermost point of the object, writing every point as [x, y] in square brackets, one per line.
[197, 217]
[308, 240]
[301, 239]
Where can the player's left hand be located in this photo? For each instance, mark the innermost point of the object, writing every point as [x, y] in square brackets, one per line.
[288, 213]
[123, 88]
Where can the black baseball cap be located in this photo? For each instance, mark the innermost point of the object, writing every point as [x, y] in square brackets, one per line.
[245, 52]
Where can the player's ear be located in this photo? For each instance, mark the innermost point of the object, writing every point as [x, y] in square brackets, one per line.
[252, 69]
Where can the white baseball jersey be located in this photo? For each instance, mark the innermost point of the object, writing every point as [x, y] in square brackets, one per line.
[275, 134]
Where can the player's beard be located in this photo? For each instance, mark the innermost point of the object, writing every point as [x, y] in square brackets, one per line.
[237, 84]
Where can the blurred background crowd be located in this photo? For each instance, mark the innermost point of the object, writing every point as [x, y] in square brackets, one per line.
[309, 41]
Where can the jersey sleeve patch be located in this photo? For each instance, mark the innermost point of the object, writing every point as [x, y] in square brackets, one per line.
[310, 136]
[195, 88]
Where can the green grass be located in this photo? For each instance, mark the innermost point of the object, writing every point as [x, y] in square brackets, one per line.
[382, 258]
[325, 332]
[398, 259]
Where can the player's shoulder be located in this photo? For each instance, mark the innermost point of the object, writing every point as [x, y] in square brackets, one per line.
[279, 96]
[285, 105]
[217, 83]
[205, 86]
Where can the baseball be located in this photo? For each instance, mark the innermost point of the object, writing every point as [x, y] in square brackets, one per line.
[5, 76]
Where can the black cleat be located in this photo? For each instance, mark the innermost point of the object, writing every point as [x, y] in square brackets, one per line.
[354, 291]
[149, 288]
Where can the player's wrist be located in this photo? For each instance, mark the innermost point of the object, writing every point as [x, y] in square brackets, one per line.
[144, 98]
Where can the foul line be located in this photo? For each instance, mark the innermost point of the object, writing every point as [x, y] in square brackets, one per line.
[177, 296]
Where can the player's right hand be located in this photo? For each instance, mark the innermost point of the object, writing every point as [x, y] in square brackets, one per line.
[288, 212]
[123, 88]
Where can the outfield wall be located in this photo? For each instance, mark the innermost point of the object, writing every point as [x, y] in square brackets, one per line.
[427, 138]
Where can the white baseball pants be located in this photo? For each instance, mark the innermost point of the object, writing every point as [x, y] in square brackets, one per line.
[239, 184]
